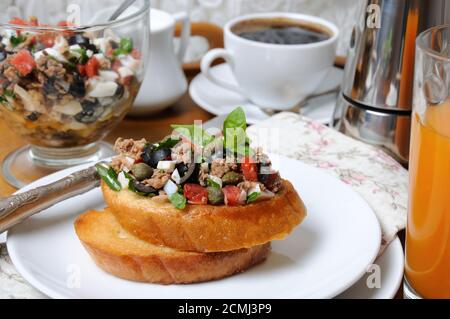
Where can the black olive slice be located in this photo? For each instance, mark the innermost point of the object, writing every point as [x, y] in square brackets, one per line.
[192, 169]
[145, 189]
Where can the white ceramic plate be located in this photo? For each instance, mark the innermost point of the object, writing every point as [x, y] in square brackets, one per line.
[323, 257]
[219, 101]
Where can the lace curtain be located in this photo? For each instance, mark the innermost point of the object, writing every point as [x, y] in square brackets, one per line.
[342, 12]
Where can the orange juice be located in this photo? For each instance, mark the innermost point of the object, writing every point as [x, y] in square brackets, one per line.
[428, 232]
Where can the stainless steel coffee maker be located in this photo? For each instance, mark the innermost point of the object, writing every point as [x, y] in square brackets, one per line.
[377, 94]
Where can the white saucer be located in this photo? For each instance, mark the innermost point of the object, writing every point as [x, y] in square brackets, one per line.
[391, 265]
[219, 101]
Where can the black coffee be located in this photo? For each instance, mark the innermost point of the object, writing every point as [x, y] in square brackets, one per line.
[281, 31]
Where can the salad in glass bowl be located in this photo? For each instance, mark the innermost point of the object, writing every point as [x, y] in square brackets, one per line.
[64, 87]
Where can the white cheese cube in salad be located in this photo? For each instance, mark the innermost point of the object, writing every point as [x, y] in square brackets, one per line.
[176, 176]
[167, 166]
[51, 52]
[103, 89]
[130, 62]
[61, 45]
[38, 54]
[123, 180]
[75, 51]
[75, 47]
[71, 108]
[170, 188]
[125, 72]
[108, 75]
[102, 43]
[6, 42]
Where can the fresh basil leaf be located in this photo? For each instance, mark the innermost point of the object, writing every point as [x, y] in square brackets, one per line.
[178, 200]
[253, 197]
[168, 143]
[234, 128]
[125, 47]
[212, 183]
[7, 94]
[83, 55]
[126, 44]
[236, 119]
[15, 41]
[109, 176]
[202, 140]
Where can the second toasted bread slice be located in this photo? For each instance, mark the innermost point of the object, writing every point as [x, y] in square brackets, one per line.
[118, 252]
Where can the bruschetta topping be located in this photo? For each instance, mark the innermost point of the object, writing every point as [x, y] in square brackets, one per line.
[194, 167]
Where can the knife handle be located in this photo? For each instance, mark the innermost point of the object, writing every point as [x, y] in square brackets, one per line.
[17, 208]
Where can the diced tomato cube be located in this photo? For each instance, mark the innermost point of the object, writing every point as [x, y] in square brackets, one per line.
[196, 194]
[65, 24]
[24, 62]
[81, 69]
[249, 169]
[92, 67]
[34, 21]
[233, 196]
[47, 39]
[18, 21]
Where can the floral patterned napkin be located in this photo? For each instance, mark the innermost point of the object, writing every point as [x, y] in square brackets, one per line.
[378, 178]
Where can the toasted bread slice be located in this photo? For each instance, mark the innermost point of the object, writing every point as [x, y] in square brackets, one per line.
[206, 228]
[121, 254]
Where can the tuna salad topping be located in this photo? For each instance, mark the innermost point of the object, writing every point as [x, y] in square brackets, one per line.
[194, 167]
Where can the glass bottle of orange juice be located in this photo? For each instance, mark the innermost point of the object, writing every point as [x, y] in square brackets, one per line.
[428, 231]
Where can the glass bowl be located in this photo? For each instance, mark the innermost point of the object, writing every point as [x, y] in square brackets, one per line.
[68, 76]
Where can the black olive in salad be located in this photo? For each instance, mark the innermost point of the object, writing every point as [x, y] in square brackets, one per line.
[168, 168]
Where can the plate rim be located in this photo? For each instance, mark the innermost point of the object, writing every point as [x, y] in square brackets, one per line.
[399, 257]
[27, 275]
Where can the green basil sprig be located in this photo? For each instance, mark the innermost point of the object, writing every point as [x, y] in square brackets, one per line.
[212, 183]
[109, 176]
[234, 128]
[253, 197]
[16, 40]
[125, 47]
[167, 143]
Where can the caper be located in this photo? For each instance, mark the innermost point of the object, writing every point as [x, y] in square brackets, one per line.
[215, 196]
[141, 171]
[232, 178]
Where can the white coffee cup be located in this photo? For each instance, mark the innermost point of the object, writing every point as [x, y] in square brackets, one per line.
[274, 76]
